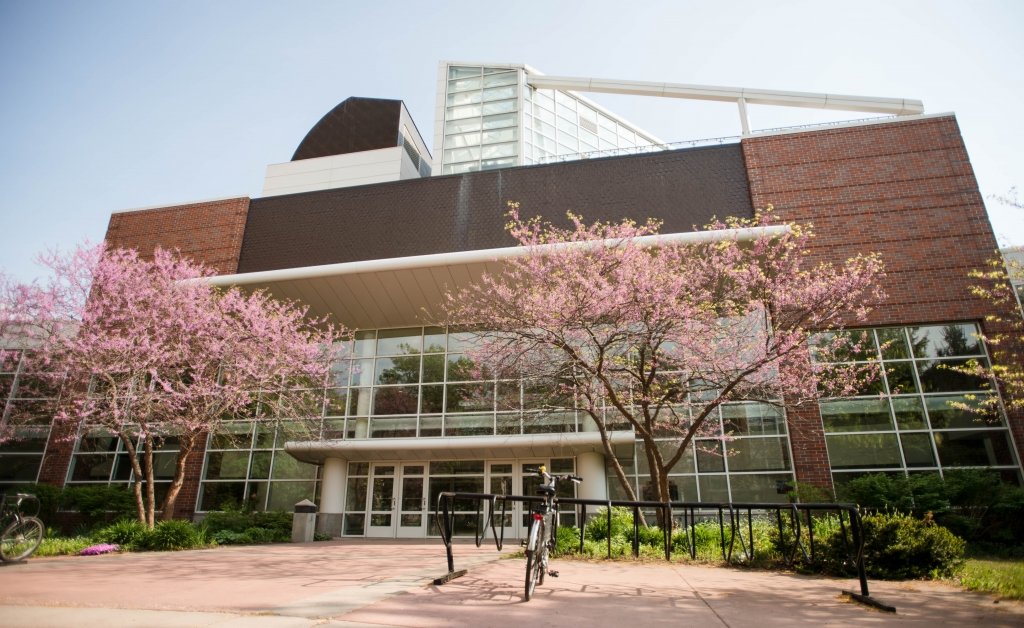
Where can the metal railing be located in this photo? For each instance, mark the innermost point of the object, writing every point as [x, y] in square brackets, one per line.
[735, 526]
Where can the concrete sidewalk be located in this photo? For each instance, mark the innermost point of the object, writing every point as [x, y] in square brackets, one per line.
[388, 583]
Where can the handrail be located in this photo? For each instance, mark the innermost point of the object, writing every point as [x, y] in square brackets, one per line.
[732, 512]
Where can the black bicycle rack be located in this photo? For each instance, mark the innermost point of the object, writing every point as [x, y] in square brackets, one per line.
[732, 516]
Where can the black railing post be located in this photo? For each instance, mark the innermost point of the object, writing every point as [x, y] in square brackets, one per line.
[447, 532]
[583, 524]
[609, 528]
[636, 531]
[857, 527]
[667, 531]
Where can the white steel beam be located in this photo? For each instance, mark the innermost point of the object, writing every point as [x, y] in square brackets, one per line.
[741, 95]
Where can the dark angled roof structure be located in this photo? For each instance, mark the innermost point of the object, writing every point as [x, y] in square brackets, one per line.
[355, 125]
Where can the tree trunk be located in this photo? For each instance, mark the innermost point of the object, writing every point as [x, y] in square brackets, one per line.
[188, 444]
[140, 504]
[147, 445]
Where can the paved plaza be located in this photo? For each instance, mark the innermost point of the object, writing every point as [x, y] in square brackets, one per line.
[389, 583]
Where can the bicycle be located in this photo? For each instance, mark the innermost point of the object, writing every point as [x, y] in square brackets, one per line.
[24, 533]
[541, 539]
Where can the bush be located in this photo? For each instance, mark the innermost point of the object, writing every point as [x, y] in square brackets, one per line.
[622, 524]
[567, 540]
[707, 540]
[279, 523]
[99, 503]
[264, 535]
[172, 534]
[49, 497]
[128, 533]
[227, 537]
[897, 546]
[975, 503]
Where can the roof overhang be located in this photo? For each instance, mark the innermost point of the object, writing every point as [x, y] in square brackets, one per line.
[408, 291]
[460, 448]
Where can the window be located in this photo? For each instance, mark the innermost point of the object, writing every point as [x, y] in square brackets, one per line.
[918, 416]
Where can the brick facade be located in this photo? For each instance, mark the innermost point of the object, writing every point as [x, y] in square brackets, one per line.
[905, 190]
[209, 232]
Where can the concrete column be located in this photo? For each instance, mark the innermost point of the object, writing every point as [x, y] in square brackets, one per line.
[590, 466]
[332, 496]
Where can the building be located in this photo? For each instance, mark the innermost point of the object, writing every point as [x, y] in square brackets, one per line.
[364, 224]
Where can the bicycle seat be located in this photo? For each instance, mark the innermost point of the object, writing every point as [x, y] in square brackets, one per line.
[545, 489]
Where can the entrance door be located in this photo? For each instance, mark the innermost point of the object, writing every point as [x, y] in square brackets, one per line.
[502, 482]
[412, 504]
[382, 500]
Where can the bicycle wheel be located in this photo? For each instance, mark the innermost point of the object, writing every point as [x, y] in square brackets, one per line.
[534, 562]
[21, 538]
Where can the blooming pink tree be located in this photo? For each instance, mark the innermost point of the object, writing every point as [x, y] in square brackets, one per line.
[154, 352]
[656, 335]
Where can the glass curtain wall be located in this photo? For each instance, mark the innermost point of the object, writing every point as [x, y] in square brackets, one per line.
[481, 128]
[909, 420]
[493, 119]
[748, 465]
[557, 125]
[30, 402]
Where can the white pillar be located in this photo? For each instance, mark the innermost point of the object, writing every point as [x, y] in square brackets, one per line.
[332, 486]
[590, 467]
[332, 497]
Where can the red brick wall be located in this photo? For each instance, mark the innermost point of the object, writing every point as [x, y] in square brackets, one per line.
[210, 232]
[903, 189]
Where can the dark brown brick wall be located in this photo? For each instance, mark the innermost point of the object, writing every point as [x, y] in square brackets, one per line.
[209, 232]
[684, 188]
[905, 190]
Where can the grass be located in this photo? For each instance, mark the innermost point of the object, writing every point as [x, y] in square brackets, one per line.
[1002, 577]
[63, 546]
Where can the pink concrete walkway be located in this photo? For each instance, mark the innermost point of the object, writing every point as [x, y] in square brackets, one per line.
[387, 583]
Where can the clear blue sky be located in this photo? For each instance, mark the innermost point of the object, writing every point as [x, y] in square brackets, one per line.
[111, 105]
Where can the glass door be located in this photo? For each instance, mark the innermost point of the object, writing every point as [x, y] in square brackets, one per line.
[501, 482]
[528, 483]
[382, 501]
[412, 515]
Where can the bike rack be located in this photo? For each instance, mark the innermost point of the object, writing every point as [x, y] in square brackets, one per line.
[731, 514]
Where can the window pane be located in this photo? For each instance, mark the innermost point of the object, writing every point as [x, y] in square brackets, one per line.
[856, 415]
[893, 341]
[901, 377]
[430, 426]
[909, 413]
[397, 370]
[917, 450]
[753, 418]
[227, 464]
[403, 427]
[395, 400]
[856, 451]
[758, 488]
[469, 425]
[943, 412]
[469, 397]
[709, 456]
[939, 341]
[713, 488]
[939, 376]
[19, 468]
[288, 468]
[284, 495]
[456, 467]
[973, 448]
[217, 495]
[758, 454]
